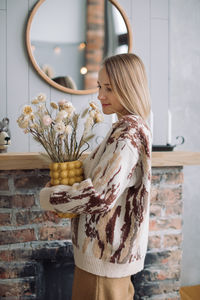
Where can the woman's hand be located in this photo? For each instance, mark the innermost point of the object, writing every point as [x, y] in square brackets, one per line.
[48, 184]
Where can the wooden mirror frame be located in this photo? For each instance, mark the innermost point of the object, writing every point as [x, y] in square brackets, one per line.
[48, 79]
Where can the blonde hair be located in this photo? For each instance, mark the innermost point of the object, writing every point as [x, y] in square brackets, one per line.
[128, 80]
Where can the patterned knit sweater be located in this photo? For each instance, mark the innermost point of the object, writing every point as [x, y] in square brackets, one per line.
[110, 233]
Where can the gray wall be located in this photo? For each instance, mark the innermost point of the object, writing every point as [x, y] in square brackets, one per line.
[185, 102]
[166, 36]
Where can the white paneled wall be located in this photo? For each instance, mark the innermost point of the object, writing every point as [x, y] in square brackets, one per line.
[19, 82]
[3, 89]
[150, 41]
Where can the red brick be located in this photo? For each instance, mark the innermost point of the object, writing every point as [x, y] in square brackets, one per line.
[169, 257]
[15, 254]
[5, 219]
[55, 233]
[164, 224]
[17, 236]
[30, 182]
[169, 273]
[12, 288]
[4, 184]
[17, 201]
[91, 19]
[163, 273]
[36, 217]
[173, 178]
[154, 194]
[159, 288]
[155, 178]
[94, 56]
[174, 258]
[95, 46]
[23, 201]
[155, 210]
[175, 209]
[93, 67]
[172, 240]
[154, 242]
[29, 217]
[95, 10]
[169, 195]
[17, 270]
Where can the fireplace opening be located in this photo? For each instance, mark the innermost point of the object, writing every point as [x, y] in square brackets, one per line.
[57, 279]
[55, 271]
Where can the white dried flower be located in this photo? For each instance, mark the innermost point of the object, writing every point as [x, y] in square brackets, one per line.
[54, 105]
[98, 117]
[41, 107]
[41, 97]
[35, 101]
[27, 110]
[68, 107]
[68, 129]
[53, 127]
[92, 113]
[59, 127]
[68, 104]
[94, 105]
[47, 120]
[62, 114]
[33, 126]
[22, 122]
[62, 102]
[88, 124]
[30, 117]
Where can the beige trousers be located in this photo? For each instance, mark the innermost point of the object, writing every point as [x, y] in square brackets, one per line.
[87, 286]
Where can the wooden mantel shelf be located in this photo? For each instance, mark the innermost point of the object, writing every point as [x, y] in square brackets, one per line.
[34, 160]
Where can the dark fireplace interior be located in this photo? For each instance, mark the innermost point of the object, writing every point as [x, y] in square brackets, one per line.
[55, 271]
[58, 279]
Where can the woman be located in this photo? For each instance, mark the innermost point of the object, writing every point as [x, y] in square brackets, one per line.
[111, 231]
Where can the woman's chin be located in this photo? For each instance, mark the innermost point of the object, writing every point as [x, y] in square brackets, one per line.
[106, 111]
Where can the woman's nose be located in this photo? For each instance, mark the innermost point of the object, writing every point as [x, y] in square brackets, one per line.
[101, 96]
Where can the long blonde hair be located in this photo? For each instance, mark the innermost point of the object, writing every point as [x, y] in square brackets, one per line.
[128, 80]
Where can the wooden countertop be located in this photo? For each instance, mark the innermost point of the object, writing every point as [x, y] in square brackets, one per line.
[34, 160]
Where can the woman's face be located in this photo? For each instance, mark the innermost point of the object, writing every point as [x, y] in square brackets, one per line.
[110, 103]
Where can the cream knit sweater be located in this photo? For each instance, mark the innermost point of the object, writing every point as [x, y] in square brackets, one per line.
[110, 233]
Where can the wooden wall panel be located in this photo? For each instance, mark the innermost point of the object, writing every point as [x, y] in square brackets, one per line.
[2, 4]
[159, 9]
[17, 70]
[3, 60]
[159, 73]
[126, 5]
[141, 31]
[36, 85]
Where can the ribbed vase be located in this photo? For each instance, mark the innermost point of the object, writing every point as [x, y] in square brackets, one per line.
[66, 173]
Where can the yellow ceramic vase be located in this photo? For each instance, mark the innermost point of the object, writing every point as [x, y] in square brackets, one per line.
[66, 173]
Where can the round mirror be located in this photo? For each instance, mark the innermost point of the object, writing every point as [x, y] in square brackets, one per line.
[68, 40]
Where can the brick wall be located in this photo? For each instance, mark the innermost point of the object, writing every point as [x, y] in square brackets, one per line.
[161, 277]
[28, 237]
[95, 41]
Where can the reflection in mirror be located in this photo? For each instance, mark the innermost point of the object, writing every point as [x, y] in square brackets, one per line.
[68, 40]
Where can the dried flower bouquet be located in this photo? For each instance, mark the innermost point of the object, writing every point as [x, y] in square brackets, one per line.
[56, 128]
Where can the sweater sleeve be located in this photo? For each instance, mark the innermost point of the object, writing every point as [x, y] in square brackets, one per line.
[99, 193]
